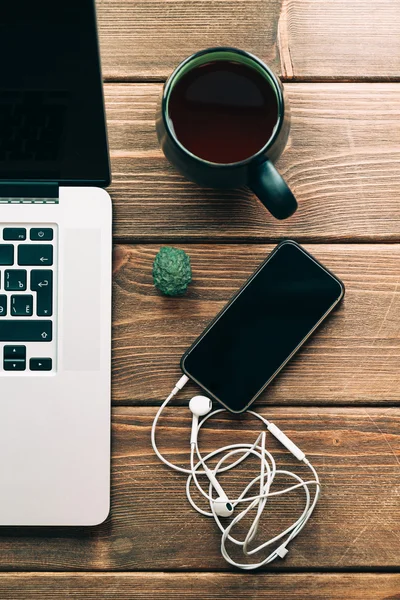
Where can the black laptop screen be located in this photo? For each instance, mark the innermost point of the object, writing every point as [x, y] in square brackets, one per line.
[52, 124]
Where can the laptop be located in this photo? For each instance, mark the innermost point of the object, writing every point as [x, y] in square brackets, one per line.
[55, 267]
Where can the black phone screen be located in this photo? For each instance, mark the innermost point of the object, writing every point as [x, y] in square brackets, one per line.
[262, 326]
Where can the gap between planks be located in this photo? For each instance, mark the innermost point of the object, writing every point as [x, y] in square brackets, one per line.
[294, 79]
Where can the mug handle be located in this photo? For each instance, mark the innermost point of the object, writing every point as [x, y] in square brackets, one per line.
[269, 186]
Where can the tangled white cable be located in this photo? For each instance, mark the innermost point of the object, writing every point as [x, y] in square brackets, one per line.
[221, 506]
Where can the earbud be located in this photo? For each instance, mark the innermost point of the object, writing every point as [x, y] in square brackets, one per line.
[222, 507]
[200, 406]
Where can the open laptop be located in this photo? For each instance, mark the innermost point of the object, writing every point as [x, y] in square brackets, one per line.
[55, 267]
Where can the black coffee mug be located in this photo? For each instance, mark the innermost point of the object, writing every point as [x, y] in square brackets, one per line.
[226, 72]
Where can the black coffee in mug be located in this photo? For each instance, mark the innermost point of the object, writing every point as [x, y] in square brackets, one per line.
[223, 120]
[223, 111]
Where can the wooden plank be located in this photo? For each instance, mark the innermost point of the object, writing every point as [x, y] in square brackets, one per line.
[152, 526]
[353, 358]
[208, 586]
[342, 162]
[340, 39]
[145, 39]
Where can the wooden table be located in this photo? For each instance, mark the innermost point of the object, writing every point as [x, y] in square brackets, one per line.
[338, 399]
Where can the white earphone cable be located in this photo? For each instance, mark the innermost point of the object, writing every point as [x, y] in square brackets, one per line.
[256, 501]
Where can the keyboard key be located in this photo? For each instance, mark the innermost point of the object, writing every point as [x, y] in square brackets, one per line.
[35, 254]
[22, 305]
[40, 364]
[14, 233]
[15, 330]
[15, 280]
[42, 283]
[3, 305]
[14, 365]
[14, 352]
[43, 234]
[6, 254]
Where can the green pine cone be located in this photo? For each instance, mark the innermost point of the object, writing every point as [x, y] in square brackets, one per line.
[171, 271]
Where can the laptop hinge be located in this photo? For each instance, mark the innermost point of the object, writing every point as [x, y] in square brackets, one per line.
[29, 192]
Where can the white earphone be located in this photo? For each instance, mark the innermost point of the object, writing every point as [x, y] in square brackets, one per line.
[232, 456]
[200, 407]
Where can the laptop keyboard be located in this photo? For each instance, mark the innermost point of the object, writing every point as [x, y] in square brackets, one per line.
[27, 298]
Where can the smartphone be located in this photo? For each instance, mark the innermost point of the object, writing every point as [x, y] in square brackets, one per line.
[262, 327]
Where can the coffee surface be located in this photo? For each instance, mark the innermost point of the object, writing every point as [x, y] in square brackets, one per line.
[223, 111]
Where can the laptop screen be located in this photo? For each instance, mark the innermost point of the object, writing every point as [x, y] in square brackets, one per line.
[52, 124]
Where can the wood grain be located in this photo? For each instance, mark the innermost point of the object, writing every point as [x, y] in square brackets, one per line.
[152, 527]
[354, 357]
[342, 163]
[145, 39]
[208, 586]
